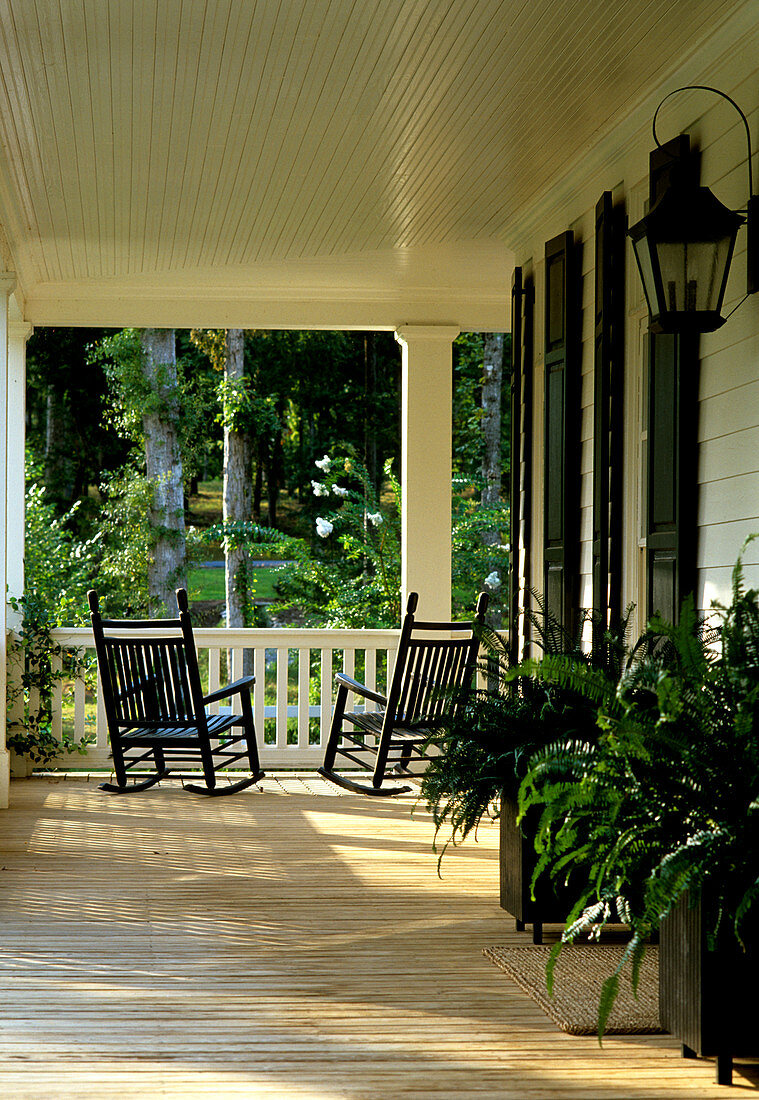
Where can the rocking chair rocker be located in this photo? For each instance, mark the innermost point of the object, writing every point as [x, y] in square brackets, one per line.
[156, 710]
[433, 672]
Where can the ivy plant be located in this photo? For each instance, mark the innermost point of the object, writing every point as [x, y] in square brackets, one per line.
[38, 663]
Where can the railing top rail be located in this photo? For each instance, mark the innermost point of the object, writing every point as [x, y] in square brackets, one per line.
[258, 637]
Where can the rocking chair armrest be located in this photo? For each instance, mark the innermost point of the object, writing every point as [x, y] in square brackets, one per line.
[342, 680]
[245, 682]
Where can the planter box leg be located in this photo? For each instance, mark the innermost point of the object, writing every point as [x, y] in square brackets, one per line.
[519, 925]
[724, 1069]
[537, 932]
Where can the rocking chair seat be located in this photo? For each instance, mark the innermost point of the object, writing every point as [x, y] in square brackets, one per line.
[373, 722]
[180, 732]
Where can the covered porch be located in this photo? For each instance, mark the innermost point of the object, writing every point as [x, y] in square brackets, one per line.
[377, 167]
[291, 942]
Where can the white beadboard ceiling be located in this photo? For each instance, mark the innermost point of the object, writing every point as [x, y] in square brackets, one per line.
[303, 161]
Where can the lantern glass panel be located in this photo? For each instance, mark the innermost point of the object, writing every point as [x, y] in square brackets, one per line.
[643, 256]
[693, 273]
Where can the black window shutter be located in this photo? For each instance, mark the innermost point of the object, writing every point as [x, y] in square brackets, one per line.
[522, 299]
[608, 377]
[672, 497]
[672, 472]
[561, 501]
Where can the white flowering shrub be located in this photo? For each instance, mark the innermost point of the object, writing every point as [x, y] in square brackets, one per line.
[351, 577]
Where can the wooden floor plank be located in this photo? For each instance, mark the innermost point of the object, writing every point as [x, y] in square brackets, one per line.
[275, 944]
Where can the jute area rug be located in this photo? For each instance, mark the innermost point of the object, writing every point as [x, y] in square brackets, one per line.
[578, 977]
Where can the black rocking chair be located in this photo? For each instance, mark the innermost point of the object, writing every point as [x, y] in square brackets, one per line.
[433, 672]
[156, 710]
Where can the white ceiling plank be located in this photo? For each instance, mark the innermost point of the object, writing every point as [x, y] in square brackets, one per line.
[336, 165]
[102, 259]
[39, 164]
[66, 177]
[79, 94]
[142, 122]
[22, 157]
[276, 94]
[228, 213]
[223, 151]
[328, 44]
[118, 66]
[421, 153]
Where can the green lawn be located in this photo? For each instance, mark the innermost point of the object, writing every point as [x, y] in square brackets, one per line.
[208, 584]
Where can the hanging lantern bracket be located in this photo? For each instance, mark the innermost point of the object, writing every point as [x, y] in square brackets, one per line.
[752, 206]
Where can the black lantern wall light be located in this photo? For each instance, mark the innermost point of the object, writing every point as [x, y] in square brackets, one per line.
[685, 243]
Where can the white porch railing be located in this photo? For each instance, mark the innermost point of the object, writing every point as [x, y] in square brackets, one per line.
[292, 702]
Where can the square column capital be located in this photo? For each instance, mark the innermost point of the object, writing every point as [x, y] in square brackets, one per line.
[7, 282]
[20, 331]
[411, 334]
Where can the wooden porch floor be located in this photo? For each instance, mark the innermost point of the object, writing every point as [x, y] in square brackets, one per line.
[275, 944]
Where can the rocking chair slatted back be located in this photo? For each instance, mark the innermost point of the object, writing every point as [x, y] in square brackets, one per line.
[151, 681]
[431, 679]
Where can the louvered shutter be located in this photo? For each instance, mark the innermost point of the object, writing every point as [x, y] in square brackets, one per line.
[672, 472]
[608, 374]
[561, 448]
[522, 299]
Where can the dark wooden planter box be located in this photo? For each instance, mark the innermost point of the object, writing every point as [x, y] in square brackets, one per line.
[517, 864]
[703, 994]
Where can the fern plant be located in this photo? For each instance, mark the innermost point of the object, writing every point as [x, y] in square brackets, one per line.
[665, 801]
[487, 746]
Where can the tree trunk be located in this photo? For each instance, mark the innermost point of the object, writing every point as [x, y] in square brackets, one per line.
[258, 485]
[238, 489]
[60, 460]
[492, 385]
[168, 567]
[370, 409]
[274, 464]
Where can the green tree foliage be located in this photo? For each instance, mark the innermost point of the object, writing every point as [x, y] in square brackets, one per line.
[132, 396]
[467, 409]
[476, 563]
[318, 382]
[127, 541]
[58, 565]
[304, 394]
[480, 552]
[350, 571]
[68, 438]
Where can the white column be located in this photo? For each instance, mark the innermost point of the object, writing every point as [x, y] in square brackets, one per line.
[7, 284]
[426, 426]
[18, 333]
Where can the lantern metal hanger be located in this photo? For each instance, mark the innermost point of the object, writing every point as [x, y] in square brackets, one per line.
[684, 244]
